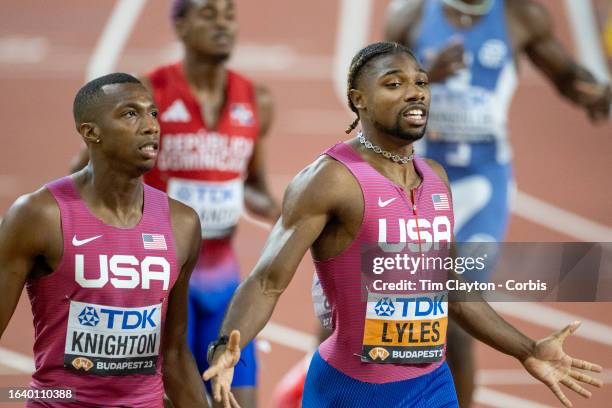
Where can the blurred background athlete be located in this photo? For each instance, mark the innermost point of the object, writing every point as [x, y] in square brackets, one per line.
[211, 158]
[470, 49]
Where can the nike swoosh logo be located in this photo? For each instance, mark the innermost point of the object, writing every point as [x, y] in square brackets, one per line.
[77, 242]
[385, 203]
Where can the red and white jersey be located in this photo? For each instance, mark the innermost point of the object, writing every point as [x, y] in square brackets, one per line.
[201, 166]
[99, 317]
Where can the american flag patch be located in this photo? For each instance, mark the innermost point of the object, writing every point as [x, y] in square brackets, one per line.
[154, 241]
[241, 115]
[440, 201]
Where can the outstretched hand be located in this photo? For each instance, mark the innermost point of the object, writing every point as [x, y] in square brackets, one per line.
[221, 371]
[553, 367]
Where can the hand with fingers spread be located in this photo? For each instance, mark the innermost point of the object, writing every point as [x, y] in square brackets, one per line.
[552, 366]
[221, 370]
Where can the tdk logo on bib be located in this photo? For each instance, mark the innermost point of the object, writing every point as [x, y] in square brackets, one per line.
[89, 317]
[384, 307]
[112, 340]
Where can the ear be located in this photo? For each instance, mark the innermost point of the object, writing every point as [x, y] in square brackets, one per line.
[357, 98]
[90, 132]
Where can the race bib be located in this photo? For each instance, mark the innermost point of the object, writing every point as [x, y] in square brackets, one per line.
[469, 116]
[108, 340]
[219, 204]
[405, 329]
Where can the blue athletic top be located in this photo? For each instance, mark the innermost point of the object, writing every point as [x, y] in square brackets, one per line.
[472, 105]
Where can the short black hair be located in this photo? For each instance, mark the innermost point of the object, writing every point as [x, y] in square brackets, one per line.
[361, 59]
[90, 92]
[179, 9]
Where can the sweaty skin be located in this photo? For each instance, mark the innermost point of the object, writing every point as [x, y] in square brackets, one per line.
[531, 32]
[31, 243]
[323, 209]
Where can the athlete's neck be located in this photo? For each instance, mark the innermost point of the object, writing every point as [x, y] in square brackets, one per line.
[115, 197]
[204, 74]
[404, 174]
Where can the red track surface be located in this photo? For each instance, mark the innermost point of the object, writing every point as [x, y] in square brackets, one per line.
[560, 157]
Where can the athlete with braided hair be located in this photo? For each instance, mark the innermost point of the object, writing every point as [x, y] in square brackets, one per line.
[357, 195]
[471, 49]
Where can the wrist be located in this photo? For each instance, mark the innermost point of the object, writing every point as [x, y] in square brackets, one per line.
[219, 344]
[526, 350]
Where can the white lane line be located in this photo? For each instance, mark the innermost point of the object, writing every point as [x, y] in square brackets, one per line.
[17, 361]
[114, 36]
[289, 337]
[492, 398]
[261, 224]
[587, 43]
[560, 220]
[518, 376]
[555, 319]
[352, 34]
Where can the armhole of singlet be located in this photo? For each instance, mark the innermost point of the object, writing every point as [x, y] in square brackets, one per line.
[65, 238]
[361, 229]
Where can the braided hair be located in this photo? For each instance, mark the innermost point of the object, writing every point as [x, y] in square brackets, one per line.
[364, 56]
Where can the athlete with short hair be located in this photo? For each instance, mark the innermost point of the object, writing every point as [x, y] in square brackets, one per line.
[213, 124]
[106, 261]
[353, 197]
[471, 50]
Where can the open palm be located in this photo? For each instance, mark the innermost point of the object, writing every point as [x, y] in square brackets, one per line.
[221, 371]
[551, 365]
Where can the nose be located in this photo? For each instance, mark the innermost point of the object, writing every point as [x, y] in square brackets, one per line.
[415, 93]
[150, 126]
[222, 21]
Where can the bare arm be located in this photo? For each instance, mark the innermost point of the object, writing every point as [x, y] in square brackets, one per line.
[571, 80]
[26, 233]
[308, 204]
[543, 359]
[401, 19]
[257, 195]
[182, 380]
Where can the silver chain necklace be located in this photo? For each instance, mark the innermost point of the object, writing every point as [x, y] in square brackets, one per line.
[395, 157]
[472, 9]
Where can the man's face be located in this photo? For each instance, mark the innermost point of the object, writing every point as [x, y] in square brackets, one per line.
[128, 127]
[209, 27]
[396, 96]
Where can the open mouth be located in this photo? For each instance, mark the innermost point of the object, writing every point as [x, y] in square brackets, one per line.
[415, 116]
[149, 150]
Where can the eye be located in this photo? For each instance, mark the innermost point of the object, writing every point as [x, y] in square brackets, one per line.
[422, 82]
[154, 114]
[394, 84]
[129, 114]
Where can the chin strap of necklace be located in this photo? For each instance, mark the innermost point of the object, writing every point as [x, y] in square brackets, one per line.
[472, 9]
[395, 157]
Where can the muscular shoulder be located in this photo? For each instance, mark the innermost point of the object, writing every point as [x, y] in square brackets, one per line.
[322, 187]
[531, 15]
[184, 219]
[402, 15]
[439, 170]
[33, 218]
[186, 230]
